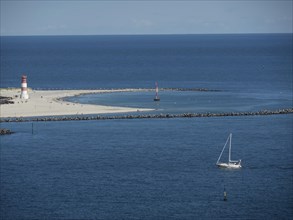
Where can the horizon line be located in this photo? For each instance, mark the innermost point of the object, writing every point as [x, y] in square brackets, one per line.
[56, 35]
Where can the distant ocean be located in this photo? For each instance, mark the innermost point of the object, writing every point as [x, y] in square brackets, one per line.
[236, 61]
[152, 168]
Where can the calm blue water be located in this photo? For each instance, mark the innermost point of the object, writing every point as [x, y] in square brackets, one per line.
[152, 168]
[189, 101]
[262, 61]
[147, 169]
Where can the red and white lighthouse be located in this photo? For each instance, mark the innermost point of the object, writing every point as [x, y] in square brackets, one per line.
[24, 94]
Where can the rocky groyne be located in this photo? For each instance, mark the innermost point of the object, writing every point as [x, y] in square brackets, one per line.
[4, 131]
[150, 116]
[191, 89]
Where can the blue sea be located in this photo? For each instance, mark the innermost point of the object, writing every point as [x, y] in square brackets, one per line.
[152, 168]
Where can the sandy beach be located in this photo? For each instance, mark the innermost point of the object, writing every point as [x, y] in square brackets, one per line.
[50, 103]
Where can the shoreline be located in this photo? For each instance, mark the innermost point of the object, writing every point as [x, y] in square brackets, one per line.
[51, 102]
[45, 103]
[50, 105]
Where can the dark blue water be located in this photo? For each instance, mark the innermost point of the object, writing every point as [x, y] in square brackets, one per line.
[152, 168]
[147, 169]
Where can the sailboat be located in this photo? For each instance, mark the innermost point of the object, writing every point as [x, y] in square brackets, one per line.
[157, 98]
[231, 163]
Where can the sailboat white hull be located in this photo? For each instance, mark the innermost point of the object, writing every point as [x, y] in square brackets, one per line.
[229, 165]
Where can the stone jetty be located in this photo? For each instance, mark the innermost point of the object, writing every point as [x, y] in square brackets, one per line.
[4, 131]
[150, 116]
[191, 89]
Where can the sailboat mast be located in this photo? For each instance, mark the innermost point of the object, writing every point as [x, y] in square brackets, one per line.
[230, 147]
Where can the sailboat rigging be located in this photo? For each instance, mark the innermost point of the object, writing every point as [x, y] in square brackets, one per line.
[231, 163]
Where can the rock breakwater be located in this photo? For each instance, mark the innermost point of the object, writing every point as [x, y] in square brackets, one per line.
[150, 116]
[4, 131]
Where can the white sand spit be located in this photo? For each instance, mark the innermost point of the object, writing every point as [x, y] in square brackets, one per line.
[50, 103]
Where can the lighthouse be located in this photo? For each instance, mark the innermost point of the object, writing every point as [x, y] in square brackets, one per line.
[24, 94]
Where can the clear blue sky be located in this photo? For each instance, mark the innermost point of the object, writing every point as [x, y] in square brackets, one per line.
[145, 17]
